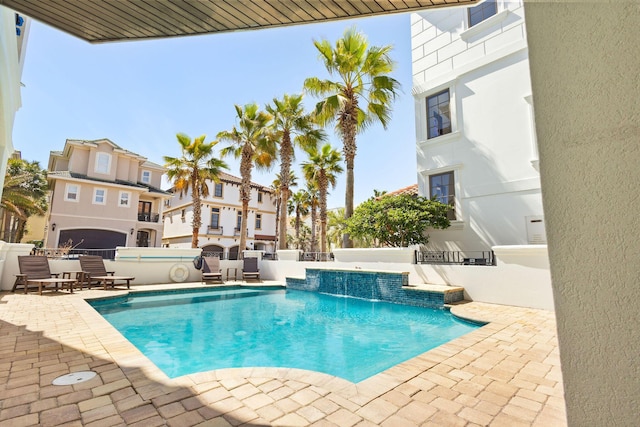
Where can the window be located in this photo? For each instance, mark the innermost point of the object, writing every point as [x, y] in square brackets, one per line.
[215, 218]
[481, 12]
[259, 196]
[239, 221]
[125, 197]
[72, 193]
[103, 163]
[183, 214]
[442, 189]
[258, 221]
[217, 189]
[99, 196]
[438, 114]
[146, 177]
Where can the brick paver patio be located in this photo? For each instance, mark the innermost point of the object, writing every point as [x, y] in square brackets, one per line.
[506, 373]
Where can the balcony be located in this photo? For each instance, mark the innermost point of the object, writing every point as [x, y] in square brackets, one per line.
[215, 230]
[148, 217]
[236, 231]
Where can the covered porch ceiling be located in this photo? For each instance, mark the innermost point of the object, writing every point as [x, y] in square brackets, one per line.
[98, 21]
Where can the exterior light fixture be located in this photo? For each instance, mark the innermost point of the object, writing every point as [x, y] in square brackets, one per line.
[131, 231]
[53, 227]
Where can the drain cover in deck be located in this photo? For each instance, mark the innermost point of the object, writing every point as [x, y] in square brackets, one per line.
[74, 378]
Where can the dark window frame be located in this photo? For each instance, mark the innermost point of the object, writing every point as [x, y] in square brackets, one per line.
[449, 196]
[217, 186]
[481, 12]
[439, 114]
[215, 212]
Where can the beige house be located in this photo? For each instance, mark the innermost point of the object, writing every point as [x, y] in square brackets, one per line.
[103, 196]
[221, 217]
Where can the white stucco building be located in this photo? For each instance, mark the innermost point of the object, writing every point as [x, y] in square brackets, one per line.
[14, 30]
[476, 143]
[221, 217]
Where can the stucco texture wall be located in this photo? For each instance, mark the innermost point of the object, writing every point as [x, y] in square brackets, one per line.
[584, 67]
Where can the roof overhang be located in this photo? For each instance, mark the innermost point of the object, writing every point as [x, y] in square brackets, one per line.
[98, 21]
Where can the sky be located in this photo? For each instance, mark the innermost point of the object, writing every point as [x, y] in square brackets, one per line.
[141, 94]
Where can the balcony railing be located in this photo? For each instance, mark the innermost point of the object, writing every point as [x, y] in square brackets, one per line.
[63, 253]
[316, 256]
[215, 231]
[148, 217]
[455, 257]
[236, 231]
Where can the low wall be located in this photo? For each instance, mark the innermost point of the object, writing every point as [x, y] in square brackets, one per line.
[520, 278]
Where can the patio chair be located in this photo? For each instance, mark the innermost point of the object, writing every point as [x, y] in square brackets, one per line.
[95, 273]
[211, 269]
[34, 270]
[250, 269]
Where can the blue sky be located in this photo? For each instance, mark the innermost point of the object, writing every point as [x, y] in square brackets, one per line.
[140, 94]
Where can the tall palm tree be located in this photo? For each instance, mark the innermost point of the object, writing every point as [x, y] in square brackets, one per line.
[323, 167]
[275, 185]
[191, 171]
[24, 194]
[299, 203]
[252, 143]
[292, 127]
[361, 95]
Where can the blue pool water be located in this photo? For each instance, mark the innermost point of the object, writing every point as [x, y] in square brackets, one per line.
[190, 332]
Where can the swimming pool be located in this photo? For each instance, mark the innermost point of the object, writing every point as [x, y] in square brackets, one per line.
[188, 332]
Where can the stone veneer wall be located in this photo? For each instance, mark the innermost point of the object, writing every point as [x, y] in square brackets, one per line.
[376, 285]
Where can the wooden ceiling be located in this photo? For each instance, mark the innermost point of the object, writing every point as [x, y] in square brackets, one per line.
[100, 21]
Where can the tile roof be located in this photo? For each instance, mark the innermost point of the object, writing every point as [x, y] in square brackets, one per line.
[411, 190]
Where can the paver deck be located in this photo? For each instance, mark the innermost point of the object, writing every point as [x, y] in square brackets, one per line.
[506, 373]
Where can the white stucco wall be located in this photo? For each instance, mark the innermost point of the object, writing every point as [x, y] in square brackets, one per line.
[10, 99]
[491, 149]
[584, 67]
[521, 277]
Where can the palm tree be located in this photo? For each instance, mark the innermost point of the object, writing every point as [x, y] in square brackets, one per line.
[24, 194]
[292, 127]
[335, 227]
[362, 72]
[275, 185]
[299, 203]
[191, 171]
[314, 201]
[323, 167]
[252, 143]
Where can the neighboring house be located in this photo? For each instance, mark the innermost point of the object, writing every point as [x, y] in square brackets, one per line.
[103, 196]
[476, 142]
[221, 217]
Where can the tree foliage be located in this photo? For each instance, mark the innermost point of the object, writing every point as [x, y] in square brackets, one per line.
[191, 171]
[397, 221]
[24, 194]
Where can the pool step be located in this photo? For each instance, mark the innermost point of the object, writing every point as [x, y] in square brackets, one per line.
[449, 294]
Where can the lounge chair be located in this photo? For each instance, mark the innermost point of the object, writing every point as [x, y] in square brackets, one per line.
[95, 273]
[250, 269]
[211, 269]
[34, 270]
